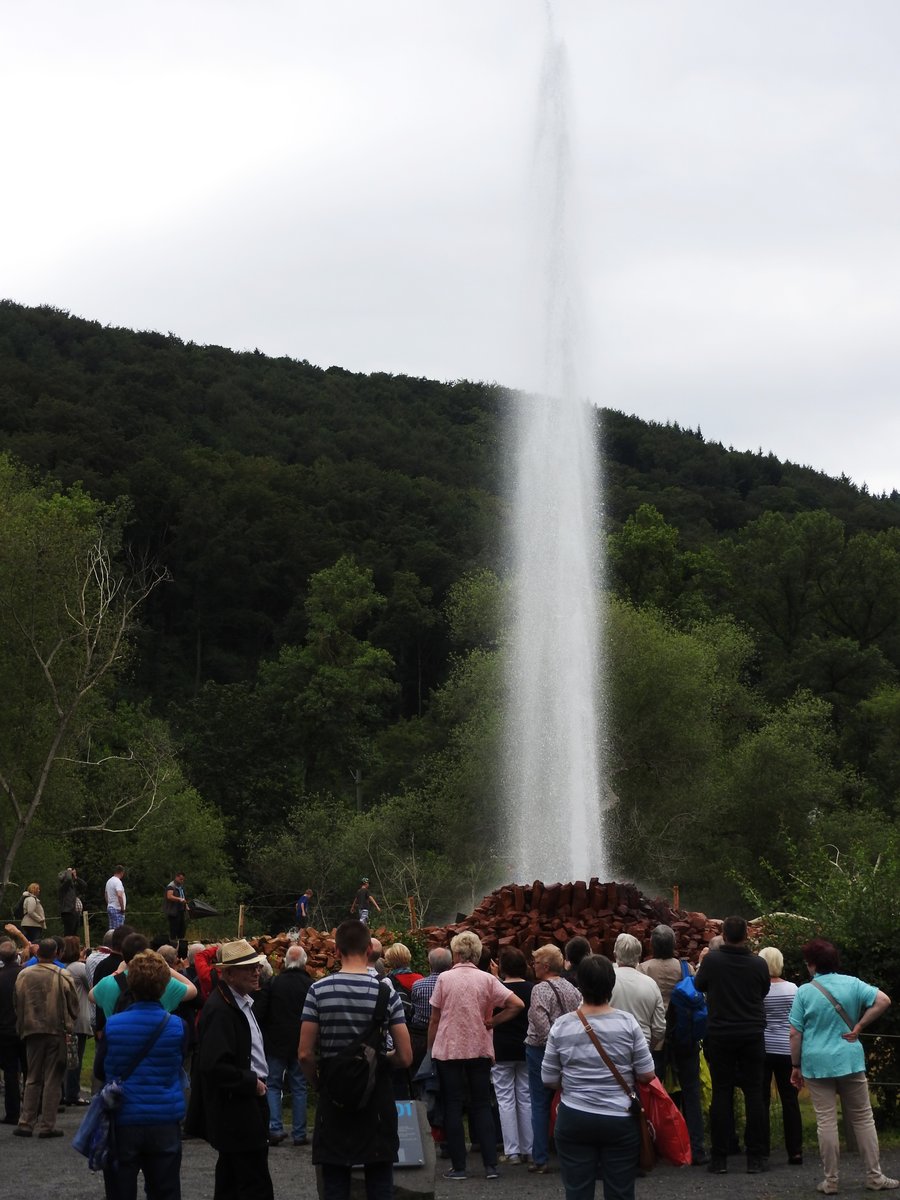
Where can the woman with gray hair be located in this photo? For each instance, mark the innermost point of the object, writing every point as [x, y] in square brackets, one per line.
[460, 1037]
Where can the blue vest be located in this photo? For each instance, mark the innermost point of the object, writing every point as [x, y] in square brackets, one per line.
[153, 1091]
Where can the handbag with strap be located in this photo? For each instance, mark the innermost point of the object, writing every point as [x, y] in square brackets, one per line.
[647, 1156]
[95, 1136]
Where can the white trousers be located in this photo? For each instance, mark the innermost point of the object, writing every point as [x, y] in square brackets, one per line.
[857, 1108]
[510, 1080]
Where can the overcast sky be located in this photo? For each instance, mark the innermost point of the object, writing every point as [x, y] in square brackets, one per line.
[346, 181]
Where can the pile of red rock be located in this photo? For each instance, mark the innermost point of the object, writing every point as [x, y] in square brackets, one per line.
[528, 917]
[531, 916]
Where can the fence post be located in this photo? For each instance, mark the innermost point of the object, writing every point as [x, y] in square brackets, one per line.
[86, 927]
[241, 921]
[411, 901]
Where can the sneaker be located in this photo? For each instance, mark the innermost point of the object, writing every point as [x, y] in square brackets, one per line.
[700, 1160]
[828, 1187]
[883, 1183]
[510, 1160]
[455, 1175]
[301, 1141]
[45, 1133]
[757, 1165]
[717, 1166]
[491, 1173]
[538, 1168]
[795, 1160]
[275, 1139]
[22, 1131]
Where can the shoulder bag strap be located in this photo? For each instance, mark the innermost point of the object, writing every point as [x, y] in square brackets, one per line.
[613, 1069]
[145, 1049]
[838, 1008]
[685, 969]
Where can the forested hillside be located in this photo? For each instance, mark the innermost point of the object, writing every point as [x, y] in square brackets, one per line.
[321, 664]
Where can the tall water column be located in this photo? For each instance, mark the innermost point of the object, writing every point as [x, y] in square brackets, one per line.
[553, 766]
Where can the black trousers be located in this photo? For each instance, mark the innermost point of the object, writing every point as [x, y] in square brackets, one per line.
[12, 1064]
[69, 923]
[244, 1176]
[177, 925]
[737, 1062]
[779, 1067]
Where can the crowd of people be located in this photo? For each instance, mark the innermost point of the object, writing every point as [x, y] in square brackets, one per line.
[535, 1055]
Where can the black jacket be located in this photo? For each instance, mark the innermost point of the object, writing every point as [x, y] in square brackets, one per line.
[735, 981]
[224, 1108]
[8, 975]
[278, 1010]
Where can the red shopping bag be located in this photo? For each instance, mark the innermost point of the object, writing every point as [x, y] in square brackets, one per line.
[672, 1140]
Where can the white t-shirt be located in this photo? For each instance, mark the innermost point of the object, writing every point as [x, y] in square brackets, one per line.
[114, 889]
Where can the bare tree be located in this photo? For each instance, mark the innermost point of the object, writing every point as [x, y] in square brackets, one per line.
[62, 645]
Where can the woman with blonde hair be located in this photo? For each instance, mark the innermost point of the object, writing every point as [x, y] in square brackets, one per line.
[777, 1005]
[34, 923]
[552, 997]
[460, 1037]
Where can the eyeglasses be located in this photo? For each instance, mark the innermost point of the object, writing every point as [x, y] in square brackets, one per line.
[246, 967]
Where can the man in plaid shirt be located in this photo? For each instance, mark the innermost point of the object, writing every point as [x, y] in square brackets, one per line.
[420, 994]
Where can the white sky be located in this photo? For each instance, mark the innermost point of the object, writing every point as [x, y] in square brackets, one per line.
[346, 181]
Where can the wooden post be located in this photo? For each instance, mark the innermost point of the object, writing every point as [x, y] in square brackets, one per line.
[411, 901]
[676, 897]
[86, 927]
[241, 921]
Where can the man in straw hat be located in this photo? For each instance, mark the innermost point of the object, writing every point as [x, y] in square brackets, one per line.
[228, 1094]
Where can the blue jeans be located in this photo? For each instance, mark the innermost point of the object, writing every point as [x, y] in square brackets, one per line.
[153, 1149]
[297, 1081]
[541, 1099]
[590, 1145]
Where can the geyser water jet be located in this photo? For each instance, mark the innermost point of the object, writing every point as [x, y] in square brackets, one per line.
[553, 768]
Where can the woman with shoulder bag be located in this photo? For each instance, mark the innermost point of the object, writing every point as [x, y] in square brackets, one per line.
[551, 997]
[826, 1019]
[148, 1125]
[596, 1129]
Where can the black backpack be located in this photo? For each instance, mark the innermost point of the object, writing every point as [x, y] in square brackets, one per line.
[18, 910]
[348, 1077]
[405, 994]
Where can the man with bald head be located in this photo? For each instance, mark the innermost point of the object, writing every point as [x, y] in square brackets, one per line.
[46, 1010]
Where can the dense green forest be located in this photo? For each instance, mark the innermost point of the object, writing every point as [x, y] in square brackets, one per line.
[305, 567]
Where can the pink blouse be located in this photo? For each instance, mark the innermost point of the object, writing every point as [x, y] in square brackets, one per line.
[466, 997]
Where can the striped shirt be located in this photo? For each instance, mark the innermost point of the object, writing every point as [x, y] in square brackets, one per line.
[343, 1005]
[571, 1060]
[778, 1006]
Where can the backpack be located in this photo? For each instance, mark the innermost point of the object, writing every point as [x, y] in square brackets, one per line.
[405, 994]
[18, 910]
[125, 999]
[689, 1007]
[348, 1077]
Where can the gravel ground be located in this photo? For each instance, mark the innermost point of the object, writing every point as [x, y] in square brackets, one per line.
[43, 1169]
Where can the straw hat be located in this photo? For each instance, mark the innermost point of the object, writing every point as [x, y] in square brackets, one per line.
[239, 954]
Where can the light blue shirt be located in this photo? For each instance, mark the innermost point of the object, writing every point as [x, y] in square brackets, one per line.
[825, 1054]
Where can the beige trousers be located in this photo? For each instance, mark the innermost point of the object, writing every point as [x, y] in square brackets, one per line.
[854, 1093]
[46, 1054]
